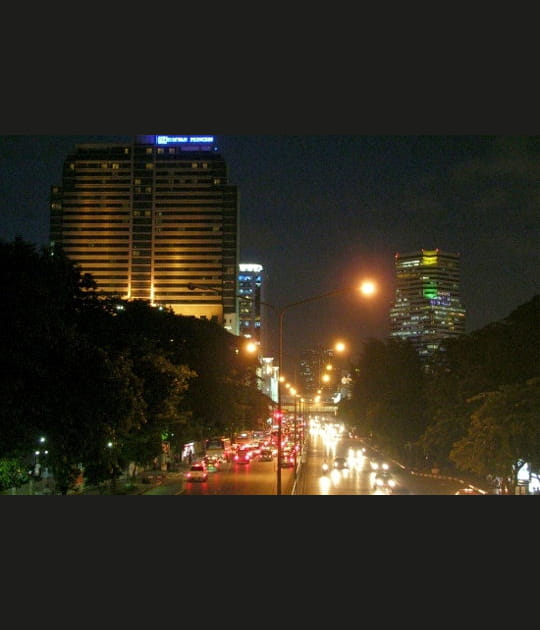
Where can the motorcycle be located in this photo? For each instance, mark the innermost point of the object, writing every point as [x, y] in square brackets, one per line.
[325, 468]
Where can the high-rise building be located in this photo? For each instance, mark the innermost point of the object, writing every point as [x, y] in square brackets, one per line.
[155, 220]
[250, 289]
[250, 281]
[427, 307]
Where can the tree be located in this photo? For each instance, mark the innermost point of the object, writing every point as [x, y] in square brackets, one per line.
[504, 432]
[387, 393]
[12, 474]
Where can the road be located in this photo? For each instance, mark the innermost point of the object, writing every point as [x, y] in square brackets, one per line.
[255, 478]
[358, 478]
[259, 478]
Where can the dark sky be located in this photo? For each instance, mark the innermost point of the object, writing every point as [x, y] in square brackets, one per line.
[320, 212]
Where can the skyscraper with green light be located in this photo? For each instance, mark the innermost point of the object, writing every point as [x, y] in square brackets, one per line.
[427, 308]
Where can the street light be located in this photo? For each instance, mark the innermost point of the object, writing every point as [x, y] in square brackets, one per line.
[367, 289]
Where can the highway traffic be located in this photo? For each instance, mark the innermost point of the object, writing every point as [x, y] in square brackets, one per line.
[353, 469]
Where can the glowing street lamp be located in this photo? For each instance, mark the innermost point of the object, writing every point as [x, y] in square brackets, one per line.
[252, 347]
[340, 346]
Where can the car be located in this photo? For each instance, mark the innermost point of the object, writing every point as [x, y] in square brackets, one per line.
[287, 460]
[197, 472]
[213, 464]
[266, 455]
[379, 464]
[340, 463]
[384, 480]
[468, 490]
[242, 457]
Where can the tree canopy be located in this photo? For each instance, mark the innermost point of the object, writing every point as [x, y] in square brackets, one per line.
[106, 381]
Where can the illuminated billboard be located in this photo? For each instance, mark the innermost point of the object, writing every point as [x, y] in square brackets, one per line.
[167, 140]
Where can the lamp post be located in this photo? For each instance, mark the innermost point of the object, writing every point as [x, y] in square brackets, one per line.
[367, 289]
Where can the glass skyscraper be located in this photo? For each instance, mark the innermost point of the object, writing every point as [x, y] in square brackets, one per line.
[250, 281]
[427, 307]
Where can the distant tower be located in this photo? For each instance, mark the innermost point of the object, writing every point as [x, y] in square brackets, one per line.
[250, 281]
[427, 307]
[312, 368]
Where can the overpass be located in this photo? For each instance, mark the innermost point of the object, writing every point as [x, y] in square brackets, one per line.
[311, 409]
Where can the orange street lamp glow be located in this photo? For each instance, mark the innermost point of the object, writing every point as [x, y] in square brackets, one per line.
[252, 347]
[368, 288]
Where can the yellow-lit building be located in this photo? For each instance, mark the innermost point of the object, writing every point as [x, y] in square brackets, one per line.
[153, 220]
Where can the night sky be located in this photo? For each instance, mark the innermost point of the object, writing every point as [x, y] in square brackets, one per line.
[320, 212]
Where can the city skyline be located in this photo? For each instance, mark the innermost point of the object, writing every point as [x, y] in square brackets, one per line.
[320, 212]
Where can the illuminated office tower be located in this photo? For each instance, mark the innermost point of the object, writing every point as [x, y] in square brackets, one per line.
[427, 307]
[149, 218]
[250, 287]
[250, 281]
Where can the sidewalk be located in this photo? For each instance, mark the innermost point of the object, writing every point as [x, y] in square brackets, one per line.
[149, 483]
[153, 482]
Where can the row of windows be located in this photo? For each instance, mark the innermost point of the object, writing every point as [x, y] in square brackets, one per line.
[82, 205]
[141, 272]
[103, 215]
[185, 261]
[94, 231]
[114, 166]
[191, 297]
[113, 248]
[98, 166]
[167, 240]
[95, 266]
[67, 221]
[196, 195]
[105, 276]
[111, 240]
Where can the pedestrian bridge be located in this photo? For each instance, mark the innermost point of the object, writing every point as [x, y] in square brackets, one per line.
[312, 409]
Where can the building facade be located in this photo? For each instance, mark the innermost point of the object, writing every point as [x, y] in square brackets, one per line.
[155, 220]
[250, 282]
[250, 287]
[427, 308]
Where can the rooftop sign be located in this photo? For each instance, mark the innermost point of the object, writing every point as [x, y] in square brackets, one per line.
[165, 140]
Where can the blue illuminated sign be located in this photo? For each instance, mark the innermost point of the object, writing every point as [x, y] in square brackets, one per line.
[164, 140]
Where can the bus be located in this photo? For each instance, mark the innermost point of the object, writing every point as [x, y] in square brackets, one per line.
[218, 449]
